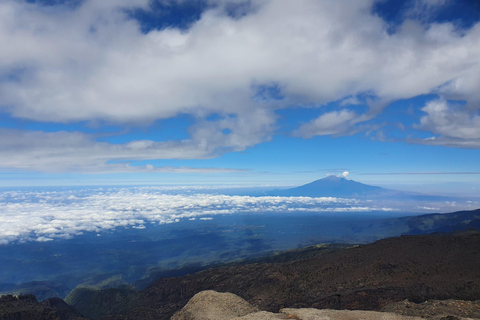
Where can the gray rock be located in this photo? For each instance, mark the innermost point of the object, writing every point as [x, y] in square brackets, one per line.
[212, 305]
[316, 314]
[263, 315]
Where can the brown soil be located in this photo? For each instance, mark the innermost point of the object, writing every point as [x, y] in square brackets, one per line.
[434, 309]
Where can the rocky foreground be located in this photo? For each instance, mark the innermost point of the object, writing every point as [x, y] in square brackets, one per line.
[212, 305]
[367, 277]
[427, 276]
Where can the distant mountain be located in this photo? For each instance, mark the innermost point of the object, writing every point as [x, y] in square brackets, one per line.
[441, 222]
[452, 222]
[333, 186]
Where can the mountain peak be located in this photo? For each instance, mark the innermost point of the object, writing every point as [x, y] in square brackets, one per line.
[340, 186]
[333, 186]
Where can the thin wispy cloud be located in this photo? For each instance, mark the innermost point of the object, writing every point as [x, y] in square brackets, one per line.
[420, 173]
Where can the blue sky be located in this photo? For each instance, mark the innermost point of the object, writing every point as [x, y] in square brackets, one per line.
[242, 92]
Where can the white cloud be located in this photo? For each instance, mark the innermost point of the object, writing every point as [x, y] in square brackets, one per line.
[47, 215]
[80, 152]
[330, 123]
[456, 125]
[339, 175]
[348, 101]
[93, 63]
[450, 121]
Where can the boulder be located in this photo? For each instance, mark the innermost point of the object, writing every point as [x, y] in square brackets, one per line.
[212, 305]
[316, 314]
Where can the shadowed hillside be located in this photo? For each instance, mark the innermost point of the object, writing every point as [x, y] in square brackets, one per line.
[26, 307]
[365, 277]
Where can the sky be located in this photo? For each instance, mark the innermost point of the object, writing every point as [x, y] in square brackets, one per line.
[271, 92]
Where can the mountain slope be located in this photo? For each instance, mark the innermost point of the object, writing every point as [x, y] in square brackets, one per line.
[26, 307]
[442, 222]
[333, 186]
[366, 277]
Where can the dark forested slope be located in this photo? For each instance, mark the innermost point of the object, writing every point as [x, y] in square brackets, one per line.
[364, 277]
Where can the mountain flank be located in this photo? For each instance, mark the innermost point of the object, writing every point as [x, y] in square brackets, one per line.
[409, 275]
[94, 303]
[341, 187]
[26, 307]
[442, 222]
[367, 277]
[332, 186]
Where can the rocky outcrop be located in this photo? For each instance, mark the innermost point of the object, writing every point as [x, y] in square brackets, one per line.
[212, 305]
[316, 314]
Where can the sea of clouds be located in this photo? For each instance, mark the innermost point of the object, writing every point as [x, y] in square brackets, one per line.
[48, 214]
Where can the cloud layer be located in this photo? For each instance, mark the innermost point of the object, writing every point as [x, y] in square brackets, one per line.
[61, 214]
[49, 214]
[91, 62]
[62, 151]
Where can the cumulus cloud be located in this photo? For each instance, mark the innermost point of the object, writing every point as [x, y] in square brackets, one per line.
[92, 62]
[453, 124]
